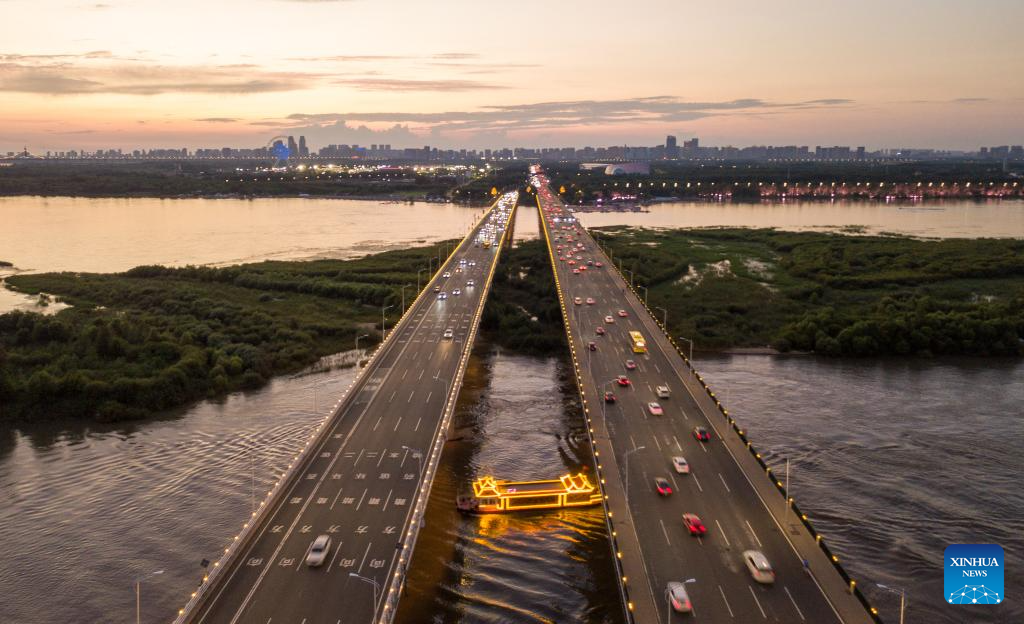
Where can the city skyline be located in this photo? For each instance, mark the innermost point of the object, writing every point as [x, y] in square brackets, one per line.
[452, 74]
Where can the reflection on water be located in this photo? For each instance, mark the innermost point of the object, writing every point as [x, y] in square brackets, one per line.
[945, 219]
[515, 420]
[893, 461]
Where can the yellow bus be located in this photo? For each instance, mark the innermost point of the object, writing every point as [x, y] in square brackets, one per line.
[639, 344]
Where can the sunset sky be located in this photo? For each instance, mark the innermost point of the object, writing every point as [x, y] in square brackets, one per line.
[464, 73]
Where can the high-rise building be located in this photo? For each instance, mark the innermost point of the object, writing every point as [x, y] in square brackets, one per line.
[303, 150]
[293, 149]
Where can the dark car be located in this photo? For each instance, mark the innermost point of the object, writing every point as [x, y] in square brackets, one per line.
[701, 434]
[609, 397]
[592, 346]
[663, 486]
[694, 524]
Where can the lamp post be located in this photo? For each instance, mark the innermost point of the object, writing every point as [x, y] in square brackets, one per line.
[664, 317]
[418, 454]
[358, 336]
[403, 296]
[668, 601]
[628, 453]
[418, 278]
[630, 277]
[383, 329]
[691, 352]
[903, 596]
[645, 293]
[138, 594]
[376, 589]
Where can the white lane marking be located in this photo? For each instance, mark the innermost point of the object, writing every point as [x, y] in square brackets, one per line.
[393, 396]
[337, 551]
[632, 441]
[763, 614]
[655, 438]
[387, 500]
[723, 533]
[703, 446]
[675, 485]
[656, 368]
[382, 454]
[376, 424]
[405, 373]
[361, 500]
[697, 481]
[421, 374]
[724, 483]
[664, 531]
[678, 445]
[364, 557]
[725, 601]
[417, 427]
[397, 422]
[409, 400]
[429, 394]
[333, 502]
[759, 545]
[798, 611]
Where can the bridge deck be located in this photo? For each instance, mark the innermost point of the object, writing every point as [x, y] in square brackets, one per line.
[727, 488]
[365, 477]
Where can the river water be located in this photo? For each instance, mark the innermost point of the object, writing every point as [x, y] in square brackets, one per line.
[892, 460]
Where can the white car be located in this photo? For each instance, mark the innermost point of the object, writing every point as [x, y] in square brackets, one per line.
[472, 263]
[449, 334]
[678, 597]
[442, 295]
[446, 274]
[470, 284]
[456, 292]
[663, 392]
[655, 409]
[318, 551]
[758, 566]
[681, 465]
[609, 319]
[577, 301]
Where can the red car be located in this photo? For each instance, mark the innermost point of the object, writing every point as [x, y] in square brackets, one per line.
[663, 486]
[599, 264]
[575, 271]
[622, 380]
[623, 314]
[701, 434]
[630, 365]
[609, 397]
[693, 524]
[599, 331]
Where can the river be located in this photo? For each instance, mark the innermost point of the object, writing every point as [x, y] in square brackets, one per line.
[892, 460]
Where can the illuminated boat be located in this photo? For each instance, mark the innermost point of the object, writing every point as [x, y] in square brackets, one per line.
[494, 496]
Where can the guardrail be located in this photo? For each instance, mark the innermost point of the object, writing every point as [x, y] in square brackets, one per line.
[397, 581]
[621, 577]
[780, 487]
[248, 531]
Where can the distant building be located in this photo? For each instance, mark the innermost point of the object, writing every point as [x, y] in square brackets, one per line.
[627, 168]
[303, 150]
[293, 148]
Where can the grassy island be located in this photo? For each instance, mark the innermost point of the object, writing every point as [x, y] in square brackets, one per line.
[156, 337]
[832, 294]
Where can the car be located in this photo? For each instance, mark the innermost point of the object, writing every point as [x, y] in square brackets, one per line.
[449, 334]
[599, 264]
[318, 551]
[681, 465]
[583, 267]
[472, 263]
[599, 331]
[463, 261]
[663, 392]
[663, 486]
[458, 269]
[571, 261]
[561, 259]
[590, 263]
[446, 274]
[758, 566]
[623, 314]
[590, 301]
[442, 295]
[592, 345]
[437, 289]
[575, 271]
[630, 365]
[622, 380]
[655, 409]
[678, 597]
[578, 301]
[693, 524]
[701, 434]
[456, 292]
[609, 319]
[470, 284]
[609, 397]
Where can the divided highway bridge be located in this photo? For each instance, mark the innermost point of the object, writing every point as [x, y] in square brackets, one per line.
[364, 476]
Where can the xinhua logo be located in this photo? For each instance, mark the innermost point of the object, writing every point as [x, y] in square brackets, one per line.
[974, 574]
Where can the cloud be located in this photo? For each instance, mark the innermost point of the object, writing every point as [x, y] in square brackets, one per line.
[218, 119]
[400, 84]
[452, 56]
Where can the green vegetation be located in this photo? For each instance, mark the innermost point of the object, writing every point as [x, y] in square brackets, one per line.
[522, 312]
[830, 293]
[156, 337]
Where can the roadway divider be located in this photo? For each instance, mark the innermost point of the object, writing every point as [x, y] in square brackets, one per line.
[613, 537]
[396, 583]
[248, 531]
[742, 434]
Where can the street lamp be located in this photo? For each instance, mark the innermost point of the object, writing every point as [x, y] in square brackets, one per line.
[668, 601]
[628, 453]
[358, 336]
[630, 277]
[383, 329]
[418, 454]
[691, 352]
[138, 594]
[903, 596]
[664, 317]
[418, 278]
[403, 296]
[645, 293]
[376, 588]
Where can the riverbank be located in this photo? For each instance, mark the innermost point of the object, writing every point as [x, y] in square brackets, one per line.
[830, 294]
[155, 337]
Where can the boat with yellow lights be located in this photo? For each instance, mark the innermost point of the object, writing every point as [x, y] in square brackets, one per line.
[492, 495]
